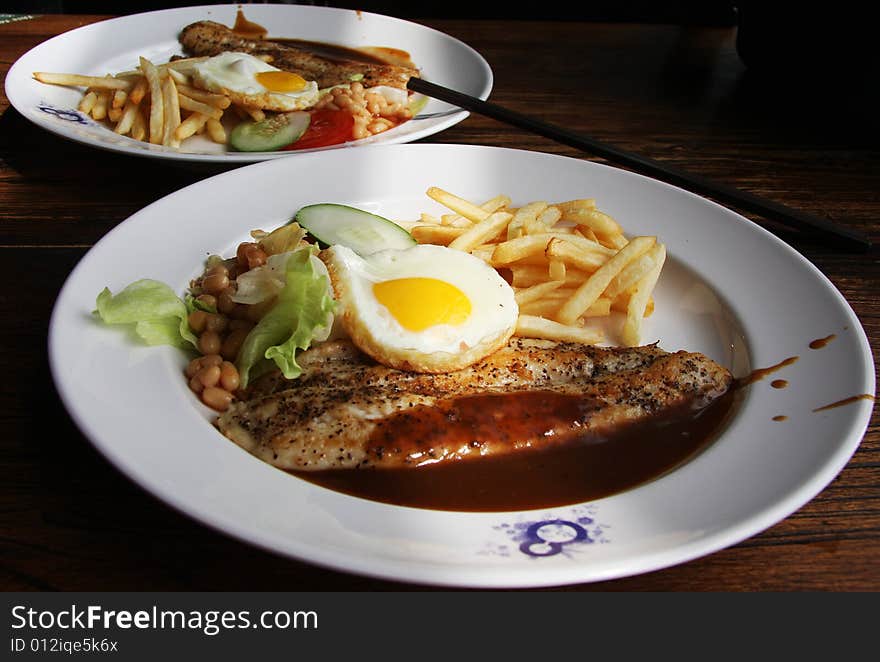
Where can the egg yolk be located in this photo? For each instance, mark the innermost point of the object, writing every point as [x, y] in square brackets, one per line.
[420, 303]
[280, 81]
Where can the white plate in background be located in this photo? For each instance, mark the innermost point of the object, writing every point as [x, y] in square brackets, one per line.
[115, 45]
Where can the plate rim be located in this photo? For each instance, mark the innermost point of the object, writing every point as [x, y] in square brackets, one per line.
[234, 159]
[481, 577]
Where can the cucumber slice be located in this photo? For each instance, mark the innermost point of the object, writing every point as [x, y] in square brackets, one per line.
[361, 231]
[270, 134]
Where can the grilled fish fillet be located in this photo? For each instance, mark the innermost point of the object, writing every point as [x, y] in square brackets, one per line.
[343, 411]
[210, 38]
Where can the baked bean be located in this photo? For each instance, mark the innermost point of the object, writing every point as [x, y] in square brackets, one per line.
[216, 323]
[229, 378]
[197, 321]
[215, 283]
[225, 304]
[344, 102]
[232, 344]
[216, 398]
[209, 376]
[209, 342]
[359, 130]
[196, 385]
[207, 300]
[241, 252]
[193, 367]
[211, 359]
[378, 126]
[202, 362]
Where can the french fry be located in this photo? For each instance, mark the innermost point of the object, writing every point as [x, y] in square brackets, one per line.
[139, 125]
[193, 105]
[482, 231]
[87, 103]
[635, 311]
[586, 233]
[602, 224]
[528, 275]
[119, 99]
[548, 307]
[210, 98]
[216, 130]
[583, 243]
[99, 111]
[634, 271]
[126, 121]
[536, 292]
[176, 76]
[531, 326]
[441, 235]
[512, 250]
[474, 213]
[139, 91]
[573, 205]
[549, 217]
[524, 218]
[256, 114]
[157, 105]
[595, 285]
[556, 270]
[170, 101]
[185, 65]
[76, 80]
[190, 126]
[568, 252]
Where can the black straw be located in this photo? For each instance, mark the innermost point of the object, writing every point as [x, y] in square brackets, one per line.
[728, 194]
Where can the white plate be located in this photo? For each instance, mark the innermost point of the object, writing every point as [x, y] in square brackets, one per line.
[729, 289]
[114, 45]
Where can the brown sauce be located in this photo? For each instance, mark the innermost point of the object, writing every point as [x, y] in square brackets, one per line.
[780, 418]
[846, 401]
[248, 29]
[330, 51]
[819, 343]
[583, 467]
[779, 383]
[372, 54]
[760, 373]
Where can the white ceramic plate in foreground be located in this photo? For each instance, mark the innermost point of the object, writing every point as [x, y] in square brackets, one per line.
[729, 289]
[114, 46]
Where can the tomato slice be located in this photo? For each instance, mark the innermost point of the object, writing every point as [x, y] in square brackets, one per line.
[328, 127]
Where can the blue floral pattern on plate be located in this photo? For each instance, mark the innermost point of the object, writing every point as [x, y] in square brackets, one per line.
[549, 534]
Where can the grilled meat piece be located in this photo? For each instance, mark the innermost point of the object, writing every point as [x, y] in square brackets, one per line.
[344, 411]
[210, 38]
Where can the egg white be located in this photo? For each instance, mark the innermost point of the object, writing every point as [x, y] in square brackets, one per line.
[439, 348]
[234, 74]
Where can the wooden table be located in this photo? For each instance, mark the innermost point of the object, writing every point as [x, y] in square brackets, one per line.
[68, 521]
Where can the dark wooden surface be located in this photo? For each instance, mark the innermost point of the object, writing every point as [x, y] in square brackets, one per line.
[68, 521]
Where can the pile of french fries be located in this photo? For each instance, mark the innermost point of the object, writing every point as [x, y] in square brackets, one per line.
[156, 103]
[569, 263]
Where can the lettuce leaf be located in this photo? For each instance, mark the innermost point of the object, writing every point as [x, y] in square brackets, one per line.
[156, 313]
[303, 313]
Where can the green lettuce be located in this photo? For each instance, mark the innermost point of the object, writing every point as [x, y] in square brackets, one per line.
[156, 314]
[303, 313]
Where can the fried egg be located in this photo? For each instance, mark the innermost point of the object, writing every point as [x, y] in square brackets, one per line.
[249, 81]
[422, 309]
